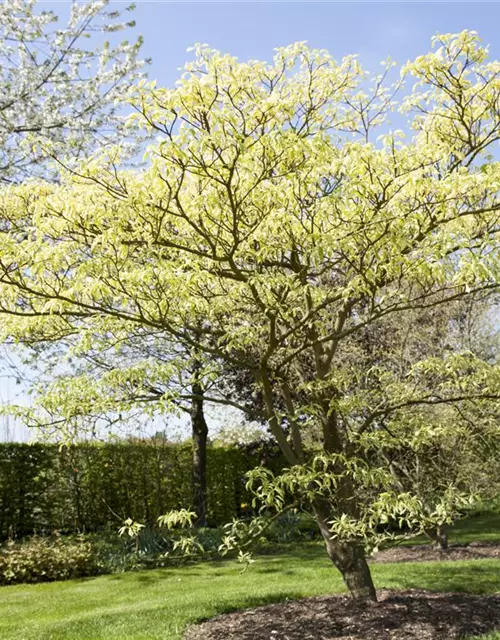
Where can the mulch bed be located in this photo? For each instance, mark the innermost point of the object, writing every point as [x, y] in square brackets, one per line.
[399, 615]
[429, 553]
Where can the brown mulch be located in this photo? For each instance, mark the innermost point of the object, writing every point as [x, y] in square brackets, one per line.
[428, 553]
[399, 615]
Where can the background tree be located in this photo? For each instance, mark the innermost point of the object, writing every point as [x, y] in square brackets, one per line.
[274, 224]
[97, 386]
[444, 445]
[58, 86]
[102, 387]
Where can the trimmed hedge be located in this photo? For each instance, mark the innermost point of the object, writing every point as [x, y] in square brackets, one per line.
[89, 487]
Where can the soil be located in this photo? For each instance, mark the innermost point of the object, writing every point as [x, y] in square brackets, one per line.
[399, 615]
[429, 553]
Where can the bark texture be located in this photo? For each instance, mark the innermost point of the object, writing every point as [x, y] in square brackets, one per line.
[440, 537]
[350, 560]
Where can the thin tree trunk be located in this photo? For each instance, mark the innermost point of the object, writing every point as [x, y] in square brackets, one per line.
[200, 436]
[350, 560]
[440, 537]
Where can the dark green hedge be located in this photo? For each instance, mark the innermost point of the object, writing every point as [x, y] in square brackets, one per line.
[89, 487]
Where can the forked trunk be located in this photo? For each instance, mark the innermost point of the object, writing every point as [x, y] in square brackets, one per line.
[200, 435]
[350, 560]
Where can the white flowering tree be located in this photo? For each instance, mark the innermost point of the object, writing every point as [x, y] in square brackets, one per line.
[59, 83]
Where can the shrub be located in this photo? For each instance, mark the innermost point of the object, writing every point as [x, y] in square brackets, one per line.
[45, 559]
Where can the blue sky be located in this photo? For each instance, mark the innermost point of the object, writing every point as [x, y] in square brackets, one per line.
[252, 30]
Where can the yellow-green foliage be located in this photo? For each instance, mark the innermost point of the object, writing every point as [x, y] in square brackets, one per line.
[281, 227]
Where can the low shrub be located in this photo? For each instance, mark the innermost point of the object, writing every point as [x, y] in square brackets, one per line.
[57, 557]
[46, 559]
[293, 526]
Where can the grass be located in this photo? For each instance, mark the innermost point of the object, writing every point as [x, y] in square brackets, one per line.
[159, 604]
[478, 527]
[481, 527]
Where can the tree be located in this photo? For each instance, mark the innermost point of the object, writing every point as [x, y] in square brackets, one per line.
[446, 461]
[58, 95]
[100, 385]
[274, 234]
[453, 448]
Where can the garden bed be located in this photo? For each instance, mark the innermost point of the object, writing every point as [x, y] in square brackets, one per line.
[429, 553]
[399, 615]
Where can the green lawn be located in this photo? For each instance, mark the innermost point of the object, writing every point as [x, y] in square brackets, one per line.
[159, 604]
[484, 527]
[479, 527]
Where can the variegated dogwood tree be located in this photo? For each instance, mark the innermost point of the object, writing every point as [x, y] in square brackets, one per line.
[282, 223]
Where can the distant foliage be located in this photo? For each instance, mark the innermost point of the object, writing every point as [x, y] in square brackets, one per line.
[91, 487]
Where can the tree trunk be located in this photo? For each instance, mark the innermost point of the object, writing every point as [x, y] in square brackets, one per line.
[350, 560]
[440, 537]
[200, 436]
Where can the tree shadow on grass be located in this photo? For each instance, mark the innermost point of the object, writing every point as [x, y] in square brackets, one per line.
[270, 570]
[477, 527]
[249, 603]
[153, 576]
[280, 556]
[298, 552]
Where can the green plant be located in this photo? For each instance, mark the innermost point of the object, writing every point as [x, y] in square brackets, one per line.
[330, 265]
[46, 559]
[292, 526]
[86, 487]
